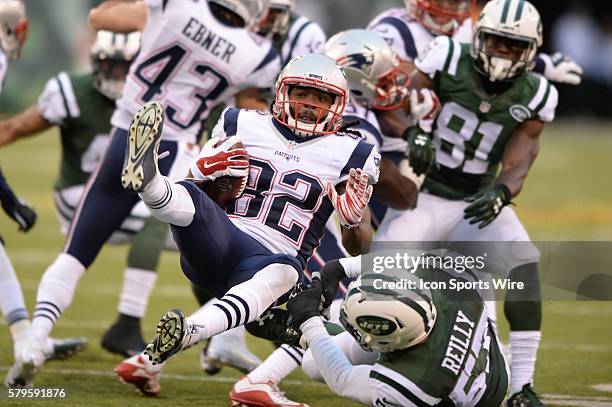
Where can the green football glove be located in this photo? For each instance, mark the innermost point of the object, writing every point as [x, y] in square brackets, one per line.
[487, 205]
[421, 152]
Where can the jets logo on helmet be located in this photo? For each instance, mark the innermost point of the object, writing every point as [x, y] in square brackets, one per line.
[13, 27]
[387, 320]
[371, 66]
[506, 38]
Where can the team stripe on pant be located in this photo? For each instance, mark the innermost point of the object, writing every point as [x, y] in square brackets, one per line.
[236, 310]
[46, 309]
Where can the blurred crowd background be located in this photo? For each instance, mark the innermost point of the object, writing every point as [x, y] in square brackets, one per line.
[59, 40]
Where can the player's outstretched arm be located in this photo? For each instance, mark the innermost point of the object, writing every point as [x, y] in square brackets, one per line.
[18, 209]
[340, 375]
[119, 16]
[520, 153]
[27, 123]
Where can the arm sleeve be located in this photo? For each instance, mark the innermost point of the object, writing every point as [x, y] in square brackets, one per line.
[310, 41]
[58, 101]
[547, 112]
[398, 36]
[340, 375]
[438, 55]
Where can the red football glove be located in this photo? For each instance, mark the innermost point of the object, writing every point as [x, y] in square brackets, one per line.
[218, 158]
[351, 205]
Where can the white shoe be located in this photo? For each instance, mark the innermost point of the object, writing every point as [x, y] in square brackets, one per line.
[30, 359]
[229, 350]
[247, 393]
[134, 371]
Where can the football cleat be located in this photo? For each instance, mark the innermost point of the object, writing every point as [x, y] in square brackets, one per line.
[247, 393]
[125, 340]
[134, 371]
[230, 350]
[275, 325]
[527, 397]
[64, 348]
[173, 333]
[31, 358]
[140, 162]
[205, 363]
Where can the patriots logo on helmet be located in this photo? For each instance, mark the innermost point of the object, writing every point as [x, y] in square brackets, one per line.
[362, 61]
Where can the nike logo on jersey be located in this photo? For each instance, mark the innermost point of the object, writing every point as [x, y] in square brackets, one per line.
[210, 41]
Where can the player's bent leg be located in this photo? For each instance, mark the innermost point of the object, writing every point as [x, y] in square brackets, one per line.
[243, 303]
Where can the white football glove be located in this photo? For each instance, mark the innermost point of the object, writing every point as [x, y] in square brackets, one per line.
[221, 160]
[351, 205]
[561, 68]
[424, 107]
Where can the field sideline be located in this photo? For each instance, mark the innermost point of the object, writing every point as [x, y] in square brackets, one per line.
[566, 197]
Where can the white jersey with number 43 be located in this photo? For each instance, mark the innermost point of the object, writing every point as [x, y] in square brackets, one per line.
[189, 61]
[284, 205]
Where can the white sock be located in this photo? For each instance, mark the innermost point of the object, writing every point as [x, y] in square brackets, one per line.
[55, 293]
[278, 365]
[168, 202]
[20, 330]
[243, 303]
[524, 348]
[12, 304]
[137, 287]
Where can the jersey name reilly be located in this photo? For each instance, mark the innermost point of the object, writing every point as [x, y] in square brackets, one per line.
[458, 344]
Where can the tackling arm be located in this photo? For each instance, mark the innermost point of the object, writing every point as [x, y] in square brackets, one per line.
[26, 123]
[119, 16]
[520, 153]
[393, 188]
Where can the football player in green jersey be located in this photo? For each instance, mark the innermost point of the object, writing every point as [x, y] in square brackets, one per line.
[493, 112]
[81, 105]
[406, 342]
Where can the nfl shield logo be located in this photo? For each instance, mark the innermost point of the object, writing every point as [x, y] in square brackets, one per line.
[485, 107]
[291, 145]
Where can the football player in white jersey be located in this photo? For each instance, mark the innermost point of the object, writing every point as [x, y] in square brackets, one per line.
[301, 167]
[375, 82]
[192, 55]
[13, 34]
[292, 35]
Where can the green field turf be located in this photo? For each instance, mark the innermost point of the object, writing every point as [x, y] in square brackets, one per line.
[567, 196]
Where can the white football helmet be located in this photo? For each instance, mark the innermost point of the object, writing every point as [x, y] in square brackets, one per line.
[386, 320]
[371, 66]
[111, 56]
[251, 11]
[13, 27]
[439, 17]
[277, 20]
[517, 24]
[315, 71]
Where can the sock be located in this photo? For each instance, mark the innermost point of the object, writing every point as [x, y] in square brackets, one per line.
[137, 287]
[243, 303]
[55, 293]
[168, 202]
[20, 330]
[12, 304]
[524, 348]
[278, 365]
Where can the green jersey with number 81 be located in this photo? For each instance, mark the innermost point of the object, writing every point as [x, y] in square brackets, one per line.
[473, 127]
[83, 114]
